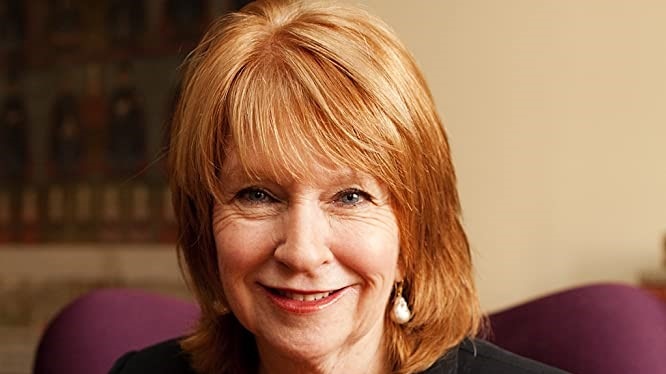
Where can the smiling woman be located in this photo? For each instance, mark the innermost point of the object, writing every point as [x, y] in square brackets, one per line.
[317, 205]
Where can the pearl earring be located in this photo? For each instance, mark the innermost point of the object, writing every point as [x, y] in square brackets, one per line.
[400, 312]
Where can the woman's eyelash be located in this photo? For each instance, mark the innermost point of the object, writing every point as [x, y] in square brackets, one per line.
[353, 197]
[255, 195]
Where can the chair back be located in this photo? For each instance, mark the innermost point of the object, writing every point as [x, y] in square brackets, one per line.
[97, 328]
[597, 329]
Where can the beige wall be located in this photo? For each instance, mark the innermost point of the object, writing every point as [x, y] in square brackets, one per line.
[557, 116]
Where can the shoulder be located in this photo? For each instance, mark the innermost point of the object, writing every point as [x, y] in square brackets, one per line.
[164, 358]
[474, 356]
[481, 357]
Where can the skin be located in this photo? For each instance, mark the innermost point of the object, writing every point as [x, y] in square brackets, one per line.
[334, 231]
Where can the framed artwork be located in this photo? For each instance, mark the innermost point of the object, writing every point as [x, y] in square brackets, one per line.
[85, 97]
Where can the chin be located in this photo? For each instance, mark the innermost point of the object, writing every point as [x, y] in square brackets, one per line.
[303, 347]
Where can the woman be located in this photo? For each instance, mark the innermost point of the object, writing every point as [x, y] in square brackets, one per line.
[318, 212]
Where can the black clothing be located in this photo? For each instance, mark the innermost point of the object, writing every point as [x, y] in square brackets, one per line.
[162, 358]
[481, 357]
[470, 357]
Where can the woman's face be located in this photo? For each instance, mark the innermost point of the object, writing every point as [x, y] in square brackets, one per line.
[307, 266]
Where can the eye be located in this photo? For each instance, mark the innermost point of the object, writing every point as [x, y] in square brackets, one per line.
[254, 195]
[352, 197]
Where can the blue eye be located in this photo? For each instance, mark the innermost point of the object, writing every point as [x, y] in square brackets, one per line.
[352, 197]
[254, 196]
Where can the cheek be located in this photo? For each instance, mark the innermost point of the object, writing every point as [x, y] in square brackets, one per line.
[370, 248]
[241, 246]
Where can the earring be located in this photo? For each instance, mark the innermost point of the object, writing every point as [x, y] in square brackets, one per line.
[400, 312]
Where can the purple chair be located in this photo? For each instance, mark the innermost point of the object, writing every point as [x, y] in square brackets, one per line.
[97, 328]
[609, 329]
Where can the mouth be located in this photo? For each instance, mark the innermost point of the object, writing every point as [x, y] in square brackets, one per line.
[303, 296]
[300, 301]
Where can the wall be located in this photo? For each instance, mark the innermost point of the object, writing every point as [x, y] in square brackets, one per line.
[557, 117]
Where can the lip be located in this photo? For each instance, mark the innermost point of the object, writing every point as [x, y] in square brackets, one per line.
[303, 306]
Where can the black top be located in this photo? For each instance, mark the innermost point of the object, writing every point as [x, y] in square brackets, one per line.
[470, 357]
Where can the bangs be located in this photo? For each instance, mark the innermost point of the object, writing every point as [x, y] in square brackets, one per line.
[290, 109]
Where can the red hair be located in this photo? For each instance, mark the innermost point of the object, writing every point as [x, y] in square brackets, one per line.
[282, 80]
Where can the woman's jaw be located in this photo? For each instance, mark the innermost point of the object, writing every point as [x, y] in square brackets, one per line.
[317, 336]
[300, 341]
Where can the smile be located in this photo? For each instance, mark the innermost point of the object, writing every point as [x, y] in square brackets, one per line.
[303, 302]
[304, 297]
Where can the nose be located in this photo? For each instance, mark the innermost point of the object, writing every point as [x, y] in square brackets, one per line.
[304, 247]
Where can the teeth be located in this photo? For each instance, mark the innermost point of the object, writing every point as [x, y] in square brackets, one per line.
[302, 297]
